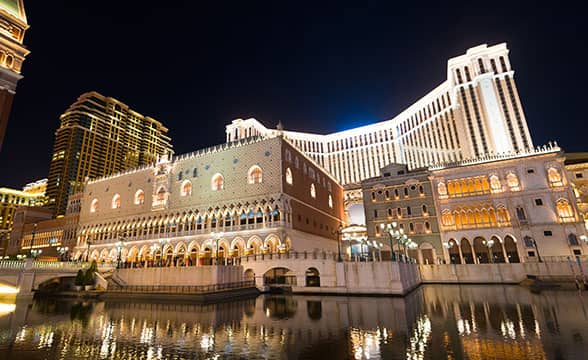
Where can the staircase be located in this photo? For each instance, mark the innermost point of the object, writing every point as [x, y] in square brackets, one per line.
[115, 282]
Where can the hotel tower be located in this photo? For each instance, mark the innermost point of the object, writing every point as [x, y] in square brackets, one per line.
[99, 136]
[475, 112]
[13, 24]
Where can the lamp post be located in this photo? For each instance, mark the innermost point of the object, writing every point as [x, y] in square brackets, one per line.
[153, 249]
[162, 243]
[32, 239]
[338, 232]
[537, 249]
[393, 232]
[216, 236]
[88, 242]
[489, 245]
[62, 251]
[35, 253]
[119, 246]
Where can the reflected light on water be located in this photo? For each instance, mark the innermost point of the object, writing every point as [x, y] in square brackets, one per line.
[435, 323]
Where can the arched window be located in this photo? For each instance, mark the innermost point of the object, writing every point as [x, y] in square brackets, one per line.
[312, 191]
[425, 210]
[330, 201]
[564, 210]
[255, 175]
[218, 182]
[411, 227]
[495, 183]
[554, 177]
[139, 197]
[161, 194]
[396, 193]
[573, 240]
[421, 190]
[116, 201]
[195, 172]
[502, 215]
[289, 179]
[186, 189]
[513, 182]
[180, 175]
[427, 226]
[94, 206]
[447, 218]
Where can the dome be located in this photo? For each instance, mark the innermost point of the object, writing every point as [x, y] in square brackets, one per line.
[15, 8]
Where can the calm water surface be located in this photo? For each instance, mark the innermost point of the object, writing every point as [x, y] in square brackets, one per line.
[434, 322]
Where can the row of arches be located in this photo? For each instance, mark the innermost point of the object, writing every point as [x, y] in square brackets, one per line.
[483, 251]
[187, 223]
[194, 253]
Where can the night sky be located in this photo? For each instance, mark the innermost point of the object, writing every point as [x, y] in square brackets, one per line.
[197, 65]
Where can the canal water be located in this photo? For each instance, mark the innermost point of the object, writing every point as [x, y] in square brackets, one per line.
[433, 322]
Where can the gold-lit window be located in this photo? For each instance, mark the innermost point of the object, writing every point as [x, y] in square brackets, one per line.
[94, 206]
[186, 189]
[554, 177]
[255, 175]
[330, 201]
[289, 178]
[442, 189]
[139, 197]
[495, 184]
[218, 182]
[513, 182]
[116, 201]
[564, 210]
[312, 191]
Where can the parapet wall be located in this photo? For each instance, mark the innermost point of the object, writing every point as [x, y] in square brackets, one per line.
[498, 273]
[181, 276]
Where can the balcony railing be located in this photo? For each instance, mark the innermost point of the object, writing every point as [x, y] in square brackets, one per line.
[193, 232]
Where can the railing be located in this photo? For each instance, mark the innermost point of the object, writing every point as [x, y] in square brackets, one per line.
[553, 259]
[317, 255]
[202, 231]
[12, 264]
[22, 265]
[180, 289]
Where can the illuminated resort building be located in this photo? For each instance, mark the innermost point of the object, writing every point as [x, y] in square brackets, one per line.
[249, 196]
[515, 207]
[99, 136]
[476, 111]
[13, 25]
[577, 167]
[10, 199]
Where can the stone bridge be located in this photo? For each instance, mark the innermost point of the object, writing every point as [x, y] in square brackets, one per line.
[22, 278]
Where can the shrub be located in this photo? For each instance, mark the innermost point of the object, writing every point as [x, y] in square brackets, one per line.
[80, 278]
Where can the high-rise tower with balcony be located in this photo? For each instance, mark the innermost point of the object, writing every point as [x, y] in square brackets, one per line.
[13, 24]
[99, 136]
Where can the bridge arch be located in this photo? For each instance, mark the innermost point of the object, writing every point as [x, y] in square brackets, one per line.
[279, 276]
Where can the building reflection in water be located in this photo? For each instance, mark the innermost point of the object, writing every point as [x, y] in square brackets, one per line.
[475, 322]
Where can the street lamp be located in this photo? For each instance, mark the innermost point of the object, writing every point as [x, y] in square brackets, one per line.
[35, 253]
[404, 240]
[153, 249]
[393, 232]
[216, 236]
[32, 239]
[62, 251]
[489, 245]
[338, 232]
[88, 242]
[119, 246]
[537, 249]
[162, 243]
